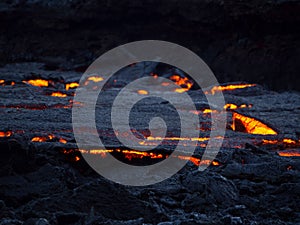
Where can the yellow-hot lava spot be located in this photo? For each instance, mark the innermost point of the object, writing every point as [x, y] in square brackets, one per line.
[228, 88]
[250, 125]
[95, 79]
[184, 82]
[272, 142]
[209, 111]
[37, 82]
[71, 85]
[142, 92]
[289, 141]
[59, 94]
[5, 133]
[2, 81]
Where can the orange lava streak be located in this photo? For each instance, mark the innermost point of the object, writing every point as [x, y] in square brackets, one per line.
[71, 85]
[176, 139]
[250, 125]
[59, 94]
[2, 81]
[289, 153]
[142, 92]
[37, 82]
[63, 141]
[5, 133]
[230, 87]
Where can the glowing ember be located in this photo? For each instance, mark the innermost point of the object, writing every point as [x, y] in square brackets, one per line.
[142, 92]
[71, 85]
[2, 81]
[59, 94]
[229, 87]
[61, 140]
[250, 125]
[5, 133]
[184, 82]
[38, 82]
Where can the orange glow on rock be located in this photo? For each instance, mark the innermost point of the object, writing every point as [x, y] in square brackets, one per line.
[37, 82]
[71, 85]
[2, 81]
[39, 139]
[61, 140]
[250, 125]
[142, 92]
[59, 94]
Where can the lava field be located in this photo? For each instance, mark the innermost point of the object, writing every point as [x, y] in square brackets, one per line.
[252, 47]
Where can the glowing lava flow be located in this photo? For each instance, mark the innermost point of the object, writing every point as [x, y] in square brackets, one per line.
[142, 92]
[71, 85]
[289, 153]
[133, 154]
[234, 106]
[184, 82]
[59, 94]
[250, 125]
[37, 82]
[228, 88]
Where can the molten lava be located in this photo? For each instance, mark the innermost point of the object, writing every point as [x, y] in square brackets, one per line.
[142, 92]
[250, 125]
[234, 106]
[229, 88]
[71, 85]
[95, 79]
[2, 81]
[38, 82]
[289, 153]
[184, 82]
[5, 133]
[59, 94]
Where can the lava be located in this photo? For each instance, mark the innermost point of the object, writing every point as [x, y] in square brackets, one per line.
[95, 79]
[5, 133]
[38, 82]
[184, 82]
[59, 94]
[250, 125]
[234, 106]
[42, 139]
[134, 154]
[142, 92]
[2, 81]
[289, 153]
[228, 88]
[71, 85]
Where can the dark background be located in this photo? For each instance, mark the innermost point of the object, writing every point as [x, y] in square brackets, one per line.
[254, 41]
